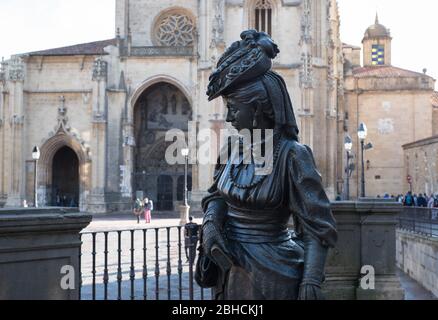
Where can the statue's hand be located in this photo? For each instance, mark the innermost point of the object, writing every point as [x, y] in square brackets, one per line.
[310, 291]
[211, 236]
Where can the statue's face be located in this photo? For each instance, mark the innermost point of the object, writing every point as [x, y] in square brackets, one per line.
[240, 115]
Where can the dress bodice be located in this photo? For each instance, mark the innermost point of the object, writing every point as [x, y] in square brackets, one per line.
[294, 187]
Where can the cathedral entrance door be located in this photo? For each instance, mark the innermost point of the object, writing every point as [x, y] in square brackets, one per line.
[65, 182]
[165, 193]
[160, 108]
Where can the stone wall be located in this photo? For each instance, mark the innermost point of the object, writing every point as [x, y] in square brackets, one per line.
[417, 255]
[393, 119]
[420, 162]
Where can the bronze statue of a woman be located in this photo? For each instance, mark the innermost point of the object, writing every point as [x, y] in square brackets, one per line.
[245, 228]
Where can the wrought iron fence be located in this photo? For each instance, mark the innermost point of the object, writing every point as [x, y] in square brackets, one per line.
[420, 220]
[131, 264]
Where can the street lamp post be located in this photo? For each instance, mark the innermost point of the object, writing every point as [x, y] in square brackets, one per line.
[362, 134]
[36, 156]
[185, 208]
[185, 153]
[348, 146]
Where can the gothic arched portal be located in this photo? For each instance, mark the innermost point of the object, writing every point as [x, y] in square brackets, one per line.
[160, 108]
[65, 178]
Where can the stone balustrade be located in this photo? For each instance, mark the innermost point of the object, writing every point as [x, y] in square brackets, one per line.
[367, 238]
[35, 245]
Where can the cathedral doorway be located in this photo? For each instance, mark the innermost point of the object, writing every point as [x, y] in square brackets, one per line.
[65, 178]
[160, 108]
[165, 193]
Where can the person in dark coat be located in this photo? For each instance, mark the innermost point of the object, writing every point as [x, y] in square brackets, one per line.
[421, 200]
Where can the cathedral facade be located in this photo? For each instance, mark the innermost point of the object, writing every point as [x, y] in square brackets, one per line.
[99, 112]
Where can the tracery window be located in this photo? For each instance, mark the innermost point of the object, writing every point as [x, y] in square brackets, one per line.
[175, 30]
[263, 16]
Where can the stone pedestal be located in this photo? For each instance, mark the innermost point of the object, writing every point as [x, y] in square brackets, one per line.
[367, 237]
[184, 212]
[35, 244]
[196, 200]
[97, 203]
[14, 201]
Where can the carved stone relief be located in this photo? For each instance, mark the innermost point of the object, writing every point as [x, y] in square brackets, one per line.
[386, 126]
[218, 25]
[306, 73]
[16, 120]
[331, 81]
[125, 185]
[306, 23]
[16, 70]
[100, 69]
[2, 71]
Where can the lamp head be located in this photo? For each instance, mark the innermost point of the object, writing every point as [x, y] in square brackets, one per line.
[36, 153]
[369, 146]
[185, 152]
[348, 143]
[362, 132]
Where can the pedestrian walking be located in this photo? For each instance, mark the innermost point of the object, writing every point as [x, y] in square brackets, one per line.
[421, 201]
[431, 202]
[408, 200]
[138, 209]
[148, 208]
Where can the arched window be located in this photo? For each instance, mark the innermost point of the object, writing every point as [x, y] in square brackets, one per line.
[263, 16]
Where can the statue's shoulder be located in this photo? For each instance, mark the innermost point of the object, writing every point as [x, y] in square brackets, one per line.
[295, 149]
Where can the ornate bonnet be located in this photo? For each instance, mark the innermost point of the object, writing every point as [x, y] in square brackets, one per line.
[250, 60]
[245, 60]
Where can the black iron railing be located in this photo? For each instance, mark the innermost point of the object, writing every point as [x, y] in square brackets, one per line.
[420, 220]
[150, 263]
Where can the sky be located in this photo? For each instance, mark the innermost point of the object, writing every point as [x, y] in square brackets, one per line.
[29, 25]
[412, 24]
[32, 25]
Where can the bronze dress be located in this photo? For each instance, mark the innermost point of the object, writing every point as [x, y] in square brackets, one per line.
[268, 258]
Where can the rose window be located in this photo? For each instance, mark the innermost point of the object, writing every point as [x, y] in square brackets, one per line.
[176, 30]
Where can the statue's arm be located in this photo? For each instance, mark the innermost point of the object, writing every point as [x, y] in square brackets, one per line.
[315, 223]
[215, 212]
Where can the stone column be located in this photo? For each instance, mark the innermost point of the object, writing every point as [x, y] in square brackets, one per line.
[16, 123]
[202, 31]
[36, 247]
[3, 103]
[306, 76]
[97, 202]
[378, 248]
